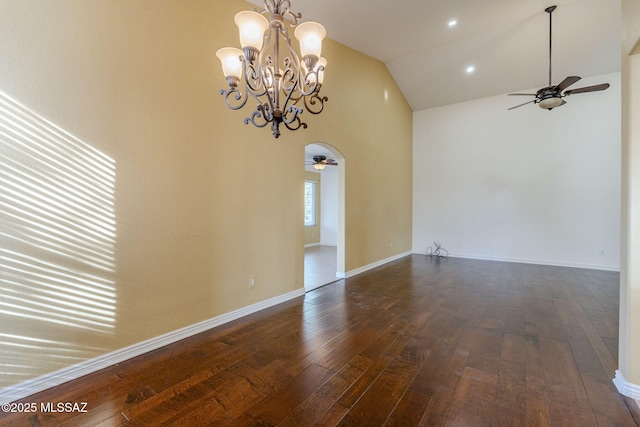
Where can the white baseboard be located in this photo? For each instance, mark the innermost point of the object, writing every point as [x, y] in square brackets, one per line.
[344, 275]
[29, 387]
[310, 245]
[375, 264]
[624, 387]
[531, 261]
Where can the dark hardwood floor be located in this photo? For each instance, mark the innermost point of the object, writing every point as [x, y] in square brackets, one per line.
[418, 341]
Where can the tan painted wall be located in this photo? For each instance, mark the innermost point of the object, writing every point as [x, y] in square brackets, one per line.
[629, 343]
[196, 209]
[312, 233]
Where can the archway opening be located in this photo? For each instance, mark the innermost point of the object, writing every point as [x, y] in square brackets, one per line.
[324, 216]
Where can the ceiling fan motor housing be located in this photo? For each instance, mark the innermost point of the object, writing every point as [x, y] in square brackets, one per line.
[549, 97]
[319, 159]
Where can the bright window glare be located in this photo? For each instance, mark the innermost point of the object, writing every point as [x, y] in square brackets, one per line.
[309, 203]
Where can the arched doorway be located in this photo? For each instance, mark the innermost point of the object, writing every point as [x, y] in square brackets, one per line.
[324, 227]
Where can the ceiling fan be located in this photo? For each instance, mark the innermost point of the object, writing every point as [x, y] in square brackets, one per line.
[551, 96]
[321, 162]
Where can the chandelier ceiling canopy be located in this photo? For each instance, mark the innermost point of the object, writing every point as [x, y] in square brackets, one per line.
[268, 69]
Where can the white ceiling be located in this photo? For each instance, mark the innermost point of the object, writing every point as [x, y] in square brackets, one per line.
[506, 40]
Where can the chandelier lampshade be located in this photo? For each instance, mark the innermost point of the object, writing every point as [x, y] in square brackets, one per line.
[231, 64]
[251, 26]
[283, 82]
[310, 36]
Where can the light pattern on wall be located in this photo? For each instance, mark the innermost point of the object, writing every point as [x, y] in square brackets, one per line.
[57, 245]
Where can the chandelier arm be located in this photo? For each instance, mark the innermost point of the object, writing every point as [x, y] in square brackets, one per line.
[265, 108]
[311, 101]
[296, 124]
[314, 82]
[265, 66]
[293, 80]
[253, 79]
[290, 110]
[298, 72]
[258, 114]
[291, 113]
[239, 99]
[293, 62]
[289, 76]
[264, 71]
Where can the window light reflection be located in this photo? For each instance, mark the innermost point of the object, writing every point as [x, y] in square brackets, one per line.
[57, 245]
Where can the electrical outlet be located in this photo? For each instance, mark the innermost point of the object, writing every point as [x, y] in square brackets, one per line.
[252, 282]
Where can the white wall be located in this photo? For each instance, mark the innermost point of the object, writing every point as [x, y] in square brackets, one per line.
[329, 206]
[523, 185]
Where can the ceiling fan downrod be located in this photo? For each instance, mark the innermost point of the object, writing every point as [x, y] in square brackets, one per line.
[550, 10]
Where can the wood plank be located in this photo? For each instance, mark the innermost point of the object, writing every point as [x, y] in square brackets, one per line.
[474, 399]
[409, 410]
[371, 409]
[275, 407]
[323, 398]
[537, 409]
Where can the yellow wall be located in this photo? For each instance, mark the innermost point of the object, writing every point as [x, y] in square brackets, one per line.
[312, 232]
[629, 343]
[200, 200]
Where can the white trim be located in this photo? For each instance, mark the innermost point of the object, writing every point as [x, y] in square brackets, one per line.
[374, 264]
[532, 261]
[73, 372]
[310, 245]
[628, 389]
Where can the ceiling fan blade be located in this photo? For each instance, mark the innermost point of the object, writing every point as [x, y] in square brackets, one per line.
[594, 88]
[528, 102]
[521, 94]
[566, 83]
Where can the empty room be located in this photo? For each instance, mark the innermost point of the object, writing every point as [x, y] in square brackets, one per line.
[297, 212]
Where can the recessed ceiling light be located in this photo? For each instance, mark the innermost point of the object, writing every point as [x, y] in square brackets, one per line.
[453, 23]
[470, 69]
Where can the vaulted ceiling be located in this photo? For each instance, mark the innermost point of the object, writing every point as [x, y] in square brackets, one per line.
[506, 41]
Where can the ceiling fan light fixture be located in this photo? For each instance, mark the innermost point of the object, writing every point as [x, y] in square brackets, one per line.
[319, 166]
[551, 102]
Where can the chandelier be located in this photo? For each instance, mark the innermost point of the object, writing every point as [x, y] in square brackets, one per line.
[269, 70]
